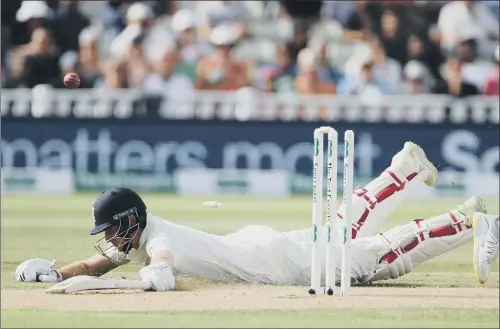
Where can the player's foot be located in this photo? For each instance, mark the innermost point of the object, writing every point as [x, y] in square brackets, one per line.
[424, 164]
[472, 205]
[413, 156]
[486, 237]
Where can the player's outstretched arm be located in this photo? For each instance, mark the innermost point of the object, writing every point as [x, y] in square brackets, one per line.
[95, 266]
[40, 270]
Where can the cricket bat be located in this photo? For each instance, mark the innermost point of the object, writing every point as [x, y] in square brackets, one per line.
[86, 282]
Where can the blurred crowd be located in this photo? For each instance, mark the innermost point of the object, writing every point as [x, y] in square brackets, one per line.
[176, 47]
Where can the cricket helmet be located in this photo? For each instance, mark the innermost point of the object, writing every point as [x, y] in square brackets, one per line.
[119, 207]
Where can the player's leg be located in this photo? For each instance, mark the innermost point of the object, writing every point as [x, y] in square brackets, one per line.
[486, 230]
[297, 248]
[270, 256]
[403, 247]
[373, 203]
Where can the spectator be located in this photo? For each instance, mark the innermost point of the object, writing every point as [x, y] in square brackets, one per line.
[113, 12]
[393, 36]
[112, 16]
[90, 67]
[492, 84]
[220, 71]
[457, 17]
[308, 10]
[452, 82]
[176, 87]
[139, 18]
[13, 76]
[278, 77]
[417, 79]
[115, 76]
[367, 17]
[192, 49]
[158, 7]
[363, 78]
[474, 70]
[416, 48]
[385, 68]
[359, 24]
[327, 72]
[31, 15]
[308, 80]
[422, 50]
[138, 21]
[210, 14]
[68, 23]
[429, 12]
[299, 39]
[162, 7]
[340, 11]
[164, 77]
[402, 10]
[137, 67]
[38, 59]
[416, 16]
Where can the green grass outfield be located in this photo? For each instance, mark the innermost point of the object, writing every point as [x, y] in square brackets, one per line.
[57, 227]
[365, 318]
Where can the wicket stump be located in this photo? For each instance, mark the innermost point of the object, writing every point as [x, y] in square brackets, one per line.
[333, 221]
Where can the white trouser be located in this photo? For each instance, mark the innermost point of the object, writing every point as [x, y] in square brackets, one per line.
[285, 258]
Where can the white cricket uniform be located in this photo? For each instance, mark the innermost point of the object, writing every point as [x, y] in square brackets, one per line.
[261, 254]
[257, 254]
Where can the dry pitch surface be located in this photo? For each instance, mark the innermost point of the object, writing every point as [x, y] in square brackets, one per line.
[254, 297]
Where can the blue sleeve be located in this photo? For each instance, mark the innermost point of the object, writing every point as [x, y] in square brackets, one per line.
[343, 87]
[384, 87]
[111, 18]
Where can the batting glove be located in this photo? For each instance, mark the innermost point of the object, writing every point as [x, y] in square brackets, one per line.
[159, 275]
[37, 270]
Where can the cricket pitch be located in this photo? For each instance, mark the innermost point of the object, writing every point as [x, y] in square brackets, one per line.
[254, 297]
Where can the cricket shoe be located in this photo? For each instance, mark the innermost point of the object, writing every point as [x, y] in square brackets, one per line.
[486, 243]
[468, 208]
[413, 157]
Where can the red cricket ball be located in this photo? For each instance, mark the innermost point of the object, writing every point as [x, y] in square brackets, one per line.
[71, 80]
